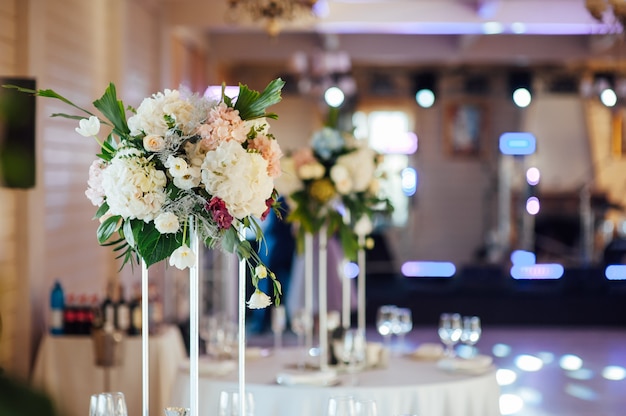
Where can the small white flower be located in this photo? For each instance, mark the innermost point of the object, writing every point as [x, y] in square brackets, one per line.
[167, 222]
[177, 166]
[312, 170]
[259, 300]
[260, 271]
[153, 143]
[88, 127]
[363, 226]
[182, 258]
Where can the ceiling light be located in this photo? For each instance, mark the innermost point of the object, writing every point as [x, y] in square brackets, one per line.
[334, 97]
[274, 13]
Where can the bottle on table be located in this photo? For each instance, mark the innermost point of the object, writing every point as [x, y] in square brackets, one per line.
[108, 309]
[57, 306]
[70, 315]
[122, 310]
[135, 313]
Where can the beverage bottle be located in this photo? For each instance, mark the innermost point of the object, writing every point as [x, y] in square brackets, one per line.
[108, 309]
[122, 311]
[95, 313]
[57, 305]
[70, 322]
[135, 314]
[83, 324]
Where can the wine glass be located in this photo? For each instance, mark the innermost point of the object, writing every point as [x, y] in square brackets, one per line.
[352, 351]
[471, 332]
[300, 324]
[403, 325]
[108, 404]
[365, 407]
[279, 323]
[450, 330]
[177, 411]
[385, 318]
[341, 406]
[229, 403]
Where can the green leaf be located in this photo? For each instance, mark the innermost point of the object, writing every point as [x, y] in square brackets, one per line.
[153, 246]
[102, 209]
[49, 94]
[107, 228]
[113, 109]
[252, 104]
[128, 233]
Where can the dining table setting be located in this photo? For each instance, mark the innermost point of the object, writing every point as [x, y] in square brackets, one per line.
[363, 376]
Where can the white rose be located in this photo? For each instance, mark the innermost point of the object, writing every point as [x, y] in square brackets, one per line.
[167, 222]
[182, 258]
[259, 300]
[153, 143]
[88, 127]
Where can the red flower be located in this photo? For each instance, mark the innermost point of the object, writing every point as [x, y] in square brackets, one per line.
[221, 216]
[268, 203]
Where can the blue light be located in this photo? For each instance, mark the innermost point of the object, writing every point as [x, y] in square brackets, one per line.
[537, 271]
[428, 269]
[409, 181]
[523, 258]
[615, 272]
[518, 143]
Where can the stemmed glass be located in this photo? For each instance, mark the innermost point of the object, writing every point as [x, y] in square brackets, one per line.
[385, 318]
[229, 404]
[108, 404]
[279, 323]
[341, 406]
[471, 332]
[402, 325]
[450, 330]
[300, 324]
[366, 407]
[352, 351]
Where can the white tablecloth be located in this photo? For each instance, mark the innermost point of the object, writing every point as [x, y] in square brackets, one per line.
[65, 369]
[406, 386]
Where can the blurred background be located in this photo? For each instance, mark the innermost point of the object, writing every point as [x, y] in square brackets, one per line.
[462, 200]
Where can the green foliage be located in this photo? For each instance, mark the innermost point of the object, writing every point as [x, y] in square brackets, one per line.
[252, 104]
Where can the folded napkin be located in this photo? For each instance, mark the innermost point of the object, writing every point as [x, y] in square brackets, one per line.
[428, 351]
[256, 352]
[212, 367]
[312, 378]
[476, 365]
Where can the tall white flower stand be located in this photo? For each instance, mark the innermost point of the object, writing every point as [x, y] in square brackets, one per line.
[193, 331]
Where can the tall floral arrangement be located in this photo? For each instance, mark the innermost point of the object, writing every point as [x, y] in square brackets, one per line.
[181, 158]
[334, 182]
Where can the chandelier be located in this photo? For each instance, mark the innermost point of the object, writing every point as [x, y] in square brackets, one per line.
[610, 12]
[274, 13]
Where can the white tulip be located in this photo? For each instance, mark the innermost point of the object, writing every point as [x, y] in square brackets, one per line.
[88, 127]
[182, 258]
[259, 300]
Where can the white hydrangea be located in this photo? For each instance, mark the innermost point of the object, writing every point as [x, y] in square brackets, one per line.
[150, 120]
[239, 178]
[134, 188]
[361, 166]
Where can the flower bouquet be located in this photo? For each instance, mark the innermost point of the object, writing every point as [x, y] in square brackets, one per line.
[334, 183]
[183, 160]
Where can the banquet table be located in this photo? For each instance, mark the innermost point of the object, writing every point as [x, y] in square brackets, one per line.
[65, 369]
[405, 386]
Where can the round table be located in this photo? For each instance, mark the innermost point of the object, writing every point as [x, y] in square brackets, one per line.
[405, 386]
